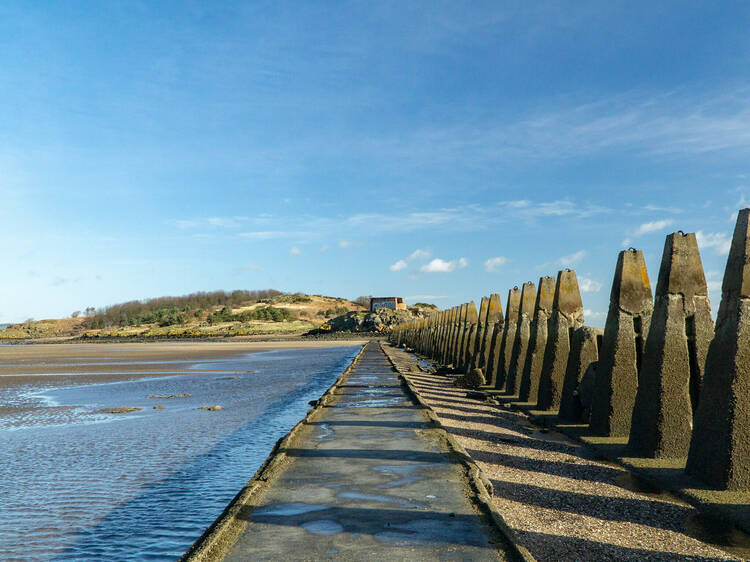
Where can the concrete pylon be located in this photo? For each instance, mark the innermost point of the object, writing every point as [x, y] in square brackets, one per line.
[476, 356]
[625, 332]
[458, 335]
[584, 351]
[469, 337]
[567, 315]
[521, 342]
[532, 369]
[720, 446]
[502, 345]
[494, 317]
[675, 354]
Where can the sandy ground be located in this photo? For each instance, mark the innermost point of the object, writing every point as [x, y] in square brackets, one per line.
[563, 503]
[56, 365]
[105, 357]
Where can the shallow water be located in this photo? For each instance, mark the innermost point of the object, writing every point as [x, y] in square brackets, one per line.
[79, 484]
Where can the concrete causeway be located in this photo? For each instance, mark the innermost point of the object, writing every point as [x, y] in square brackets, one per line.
[369, 479]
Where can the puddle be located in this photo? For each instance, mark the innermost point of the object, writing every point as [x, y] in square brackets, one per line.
[324, 527]
[287, 509]
[326, 433]
[404, 474]
[718, 533]
[382, 499]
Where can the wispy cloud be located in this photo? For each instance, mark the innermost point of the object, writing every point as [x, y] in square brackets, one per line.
[419, 255]
[399, 265]
[295, 251]
[252, 267]
[718, 241]
[268, 234]
[589, 285]
[571, 259]
[218, 222]
[493, 264]
[442, 266]
[653, 226]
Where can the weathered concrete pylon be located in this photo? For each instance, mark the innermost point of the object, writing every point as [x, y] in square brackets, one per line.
[476, 353]
[720, 446]
[532, 369]
[521, 343]
[626, 329]
[458, 335]
[469, 337]
[584, 351]
[675, 354]
[567, 315]
[502, 344]
[493, 332]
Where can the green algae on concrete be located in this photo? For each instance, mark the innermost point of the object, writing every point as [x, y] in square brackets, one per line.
[719, 451]
[675, 354]
[625, 331]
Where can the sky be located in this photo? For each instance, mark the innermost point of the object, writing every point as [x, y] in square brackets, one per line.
[439, 151]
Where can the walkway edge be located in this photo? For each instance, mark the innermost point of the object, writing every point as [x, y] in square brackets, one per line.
[223, 532]
[479, 481]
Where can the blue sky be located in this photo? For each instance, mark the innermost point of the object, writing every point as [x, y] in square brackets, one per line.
[434, 150]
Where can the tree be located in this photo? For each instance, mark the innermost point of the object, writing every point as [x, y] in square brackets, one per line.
[75, 314]
[363, 301]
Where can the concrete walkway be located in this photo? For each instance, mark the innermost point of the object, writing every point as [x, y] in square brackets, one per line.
[370, 480]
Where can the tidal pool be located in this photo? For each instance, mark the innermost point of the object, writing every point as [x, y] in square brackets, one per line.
[76, 483]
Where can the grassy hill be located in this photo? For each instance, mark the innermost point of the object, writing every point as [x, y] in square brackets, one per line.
[198, 315]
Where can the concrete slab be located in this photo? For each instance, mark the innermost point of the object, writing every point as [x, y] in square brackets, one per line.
[369, 479]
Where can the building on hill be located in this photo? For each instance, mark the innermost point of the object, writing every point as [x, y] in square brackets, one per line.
[394, 303]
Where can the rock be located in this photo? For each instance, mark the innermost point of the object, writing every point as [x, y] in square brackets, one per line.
[118, 410]
[313, 403]
[474, 379]
[159, 407]
[210, 408]
[167, 396]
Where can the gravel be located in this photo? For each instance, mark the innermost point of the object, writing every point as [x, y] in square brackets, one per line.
[562, 503]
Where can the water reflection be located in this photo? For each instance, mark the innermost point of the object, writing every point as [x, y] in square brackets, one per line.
[86, 485]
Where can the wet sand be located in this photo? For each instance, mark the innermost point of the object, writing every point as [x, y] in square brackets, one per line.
[58, 365]
[102, 358]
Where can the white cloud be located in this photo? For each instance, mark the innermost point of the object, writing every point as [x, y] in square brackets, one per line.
[718, 241]
[571, 259]
[345, 244]
[659, 209]
[493, 264]
[419, 255]
[267, 234]
[294, 251]
[252, 267]
[589, 285]
[653, 226]
[589, 314]
[441, 266]
[398, 266]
